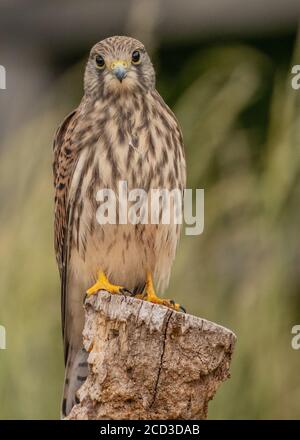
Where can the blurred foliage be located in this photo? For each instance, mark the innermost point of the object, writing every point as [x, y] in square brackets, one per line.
[240, 119]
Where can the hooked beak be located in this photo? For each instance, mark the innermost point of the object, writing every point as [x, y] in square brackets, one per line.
[119, 69]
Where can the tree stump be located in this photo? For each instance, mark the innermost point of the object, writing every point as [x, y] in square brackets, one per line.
[149, 362]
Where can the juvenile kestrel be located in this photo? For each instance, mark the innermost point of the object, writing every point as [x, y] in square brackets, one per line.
[122, 130]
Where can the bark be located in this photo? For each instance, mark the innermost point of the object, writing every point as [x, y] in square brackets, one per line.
[149, 362]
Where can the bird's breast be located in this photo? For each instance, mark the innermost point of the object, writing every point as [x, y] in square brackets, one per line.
[142, 149]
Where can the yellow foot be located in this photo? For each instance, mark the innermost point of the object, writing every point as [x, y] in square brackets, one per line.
[103, 284]
[151, 296]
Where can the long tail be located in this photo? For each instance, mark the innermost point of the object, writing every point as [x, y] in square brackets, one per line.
[76, 373]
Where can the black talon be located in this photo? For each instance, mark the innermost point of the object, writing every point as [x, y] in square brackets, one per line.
[134, 294]
[126, 292]
[181, 308]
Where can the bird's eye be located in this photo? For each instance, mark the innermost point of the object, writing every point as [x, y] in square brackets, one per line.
[136, 57]
[100, 61]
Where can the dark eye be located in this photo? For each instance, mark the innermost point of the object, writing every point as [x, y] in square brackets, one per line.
[136, 57]
[100, 61]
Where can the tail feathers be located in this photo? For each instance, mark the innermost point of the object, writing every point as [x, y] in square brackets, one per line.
[76, 374]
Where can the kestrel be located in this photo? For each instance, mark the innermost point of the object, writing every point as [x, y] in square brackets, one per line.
[122, 130]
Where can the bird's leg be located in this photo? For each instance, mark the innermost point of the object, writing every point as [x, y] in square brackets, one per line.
[103, 284]
[151, 296]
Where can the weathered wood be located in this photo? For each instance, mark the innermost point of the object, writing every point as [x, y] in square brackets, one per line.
[149, 362]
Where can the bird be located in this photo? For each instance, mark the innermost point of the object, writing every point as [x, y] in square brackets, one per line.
[122, 130]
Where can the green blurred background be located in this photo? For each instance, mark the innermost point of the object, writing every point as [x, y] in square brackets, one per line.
[225, 70]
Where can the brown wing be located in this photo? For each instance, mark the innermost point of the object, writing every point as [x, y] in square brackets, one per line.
[176, 139]
[65, 159]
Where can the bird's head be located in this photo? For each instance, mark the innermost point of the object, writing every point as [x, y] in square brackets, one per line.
[118, 65]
